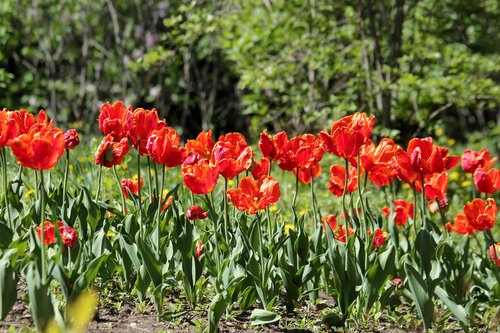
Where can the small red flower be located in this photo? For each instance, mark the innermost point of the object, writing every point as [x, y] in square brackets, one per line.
[378, 161]
[9, 128]
[69, 236]
[199, 250]
[495, 254]
[341, 234]
[337, 180]
[331, 220]
[397, 282]
[141, 124]
[471, 160]
[196, 213]
[435, 188]
[40, 148]
[111, 153]
[378, 238]
[481, 214]
[302, 152]
[261, 168]
[48, 233]
[460, 225]
[232, 155]
[252, 196]
[113, 120]
[272, 147]
[306, 175]
[348, 134]
[163, 146]
[202, 146]
[403, 211]
[131, 186]
[487, 181]
[200, 177]
[71, 139]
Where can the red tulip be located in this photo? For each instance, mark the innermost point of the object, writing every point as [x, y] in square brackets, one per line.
[272, 147]
[403, 211]
[131, 186]
[435, 188]
[331, 220]
[460, 225]
[481, 215]
[141, 124]
[378, 238]
[111, 153]
[306, 175]
[9, 127]
[232, 155]
[341, 234]
[48, 233]
[337, 180]
[199, 250]
[200, 177]
[348, 134]
[487, 181]
[378, 161]
[69, 236]
[495, 254]
[26, 120]
[163, 146]
[196, 213]
[260, 169]
[202, 146]
[302, 152]
[40, 148]
[252, 196]
[113, 120]
[71, 139]
[471, 160]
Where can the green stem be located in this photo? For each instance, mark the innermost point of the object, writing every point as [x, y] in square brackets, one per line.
[139, 187]
[124, 207]
[65, 181]
[42, 226]
[313, 203]
[150, 179]
[296, 190]
[226, 213]
[415, 208]
[99, 181]
[360, 193]
[160, 202]
[344, 210]
[5, 188]
[422, 203]
[261, 259]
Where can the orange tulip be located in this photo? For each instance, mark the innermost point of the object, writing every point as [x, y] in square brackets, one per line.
[403, 211]
[261, 168]
[111, 153]
[378, 161]
[232, 155]
[306, 175]
[163, 146]
[200, 177]
[481, 215]
[331, 220]
[48, 233]
[471, 160]
[487, 181]
[252, 196]
[272, 147]
[9, 128]
[202, 146]
[337, 180]
[460, 225]
[113, 119]
[141, 124]
[348, 134]
[379, 238]
[40, 148]
[341, 234]
[435, 188]
[302, 152]
[131, 186]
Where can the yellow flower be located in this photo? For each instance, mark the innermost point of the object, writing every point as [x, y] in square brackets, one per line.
[111, 234]
[406, 186]
[454, 176]
[29, 193]
[230, 183]
[466, 183]
[273, 208]
[289, 227]
[303, 211]
[439, 132]
[451, 142]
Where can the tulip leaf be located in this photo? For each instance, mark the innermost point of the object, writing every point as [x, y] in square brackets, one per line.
[457, 310]
[8, 285]
[420, 295]
[262, 317]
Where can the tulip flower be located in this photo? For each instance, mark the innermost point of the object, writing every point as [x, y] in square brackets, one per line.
[302, 152]
[403, 211]
[340, 235]
[71, 139]
[378, 161]
[163, 146]
[252, 196]
[141, 124]
[487, 181]
[200, 177]
[111, 153]
[232, 155]
[199, 250]
[196, 213]
[331, 220]
[260, 168]
[48, 233]
[495, 254]
[481, 214]
[337, 180]
[348, 134]
[460, 225]
[272, 147]
[69, 236]
[471, 160]
[202, 146]
[378, 238]
[9, 128]
[131, 186]
[113, 120]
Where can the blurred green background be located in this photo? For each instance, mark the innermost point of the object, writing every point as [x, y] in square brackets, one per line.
[418, 65]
